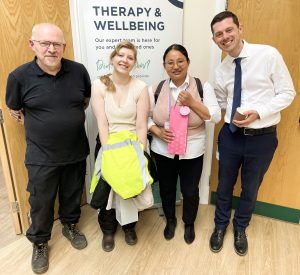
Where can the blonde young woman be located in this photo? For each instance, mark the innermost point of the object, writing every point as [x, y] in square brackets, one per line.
[120, 102]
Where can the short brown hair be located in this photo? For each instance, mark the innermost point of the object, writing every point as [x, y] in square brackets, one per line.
[223, 15]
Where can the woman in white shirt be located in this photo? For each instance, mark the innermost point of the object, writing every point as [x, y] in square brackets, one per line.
[180, 89]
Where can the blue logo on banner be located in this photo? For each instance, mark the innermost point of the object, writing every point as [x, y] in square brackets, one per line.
[177, 3]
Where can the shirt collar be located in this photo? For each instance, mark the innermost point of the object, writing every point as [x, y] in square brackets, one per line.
[64, 67]
[183, 86]
[243, 54]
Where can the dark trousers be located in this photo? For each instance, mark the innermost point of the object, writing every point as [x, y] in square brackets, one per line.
[107, 218]
[189, 172]
[108, 223]
[44, 183]
[253, 154]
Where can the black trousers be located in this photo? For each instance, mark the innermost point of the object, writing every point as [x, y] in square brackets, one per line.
[108, 223]
[107, 218]
[189, 172]
[44, 184]
[253, 154]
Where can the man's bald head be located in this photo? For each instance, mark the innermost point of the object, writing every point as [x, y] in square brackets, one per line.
[45, 31]
[48, 44]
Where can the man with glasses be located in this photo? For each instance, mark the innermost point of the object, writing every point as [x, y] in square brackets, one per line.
[49, 94]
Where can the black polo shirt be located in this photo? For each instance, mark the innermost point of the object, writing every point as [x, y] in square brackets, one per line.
[54, 111]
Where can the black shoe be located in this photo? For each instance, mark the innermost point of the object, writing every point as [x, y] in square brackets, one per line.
[189, 233]
[240, 243]
[169, 230]
[40, 261]
[130, 236]
[76, 238]
[108, 242]
[216, 240]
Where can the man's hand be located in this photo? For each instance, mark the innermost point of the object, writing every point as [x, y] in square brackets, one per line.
[251, 116]
[17, 115]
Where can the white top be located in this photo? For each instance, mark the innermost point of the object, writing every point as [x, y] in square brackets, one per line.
[195, 143]
[122, 117]
[267, 86]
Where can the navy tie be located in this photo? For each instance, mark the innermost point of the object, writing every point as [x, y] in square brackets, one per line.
[236, 92]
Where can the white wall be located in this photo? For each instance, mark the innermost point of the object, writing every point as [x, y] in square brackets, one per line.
[204, 55]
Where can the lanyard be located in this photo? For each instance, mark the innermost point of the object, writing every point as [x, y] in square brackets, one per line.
[170, 97]
[184, 110]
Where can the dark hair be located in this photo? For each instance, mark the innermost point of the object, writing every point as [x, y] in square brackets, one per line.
[223, 15]
[176, 47]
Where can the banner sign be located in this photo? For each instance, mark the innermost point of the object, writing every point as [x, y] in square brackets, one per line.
[151, 25]
[98, 25]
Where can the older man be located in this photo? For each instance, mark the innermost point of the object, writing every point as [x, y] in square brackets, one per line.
[50, 94]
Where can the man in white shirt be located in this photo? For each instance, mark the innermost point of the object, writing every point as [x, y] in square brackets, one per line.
[258, 82]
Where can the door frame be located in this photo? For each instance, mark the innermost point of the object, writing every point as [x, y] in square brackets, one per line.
[8, 179]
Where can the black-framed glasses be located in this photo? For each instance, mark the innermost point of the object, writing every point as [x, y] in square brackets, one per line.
[172, 63]
[46, 44]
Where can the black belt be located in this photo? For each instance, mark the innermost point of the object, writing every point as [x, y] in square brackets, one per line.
[257, 132]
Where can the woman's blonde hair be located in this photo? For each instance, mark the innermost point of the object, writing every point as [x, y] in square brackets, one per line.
[105, 79]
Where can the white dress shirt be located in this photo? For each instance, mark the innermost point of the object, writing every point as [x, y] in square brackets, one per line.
[267, 86]
[195, 143]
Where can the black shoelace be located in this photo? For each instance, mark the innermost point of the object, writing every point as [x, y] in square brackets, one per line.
[240, 236]
[41, 251]
[73, 230]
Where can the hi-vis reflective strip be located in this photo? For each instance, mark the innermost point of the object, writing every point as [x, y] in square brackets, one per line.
[140, 154]
[116, 145]
[142, 162]
[97, 172]
[98, 163]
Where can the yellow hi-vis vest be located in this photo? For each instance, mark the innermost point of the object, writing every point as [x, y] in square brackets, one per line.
[122, 164]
